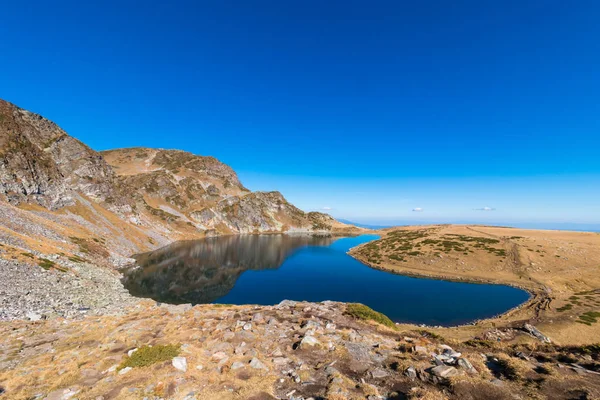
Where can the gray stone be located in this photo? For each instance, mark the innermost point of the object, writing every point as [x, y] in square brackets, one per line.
[532, 330]
[411, 372]
[310, 324]
[467, 366]
[281, 360]
[257, 364]
[309, 341]
[287, 303]
[258, 318]
[379, 373]
[237, 365]
[180, 363]
[452, 353]
[521, 355]
[33, 316]
[444, 371]
[125, 370]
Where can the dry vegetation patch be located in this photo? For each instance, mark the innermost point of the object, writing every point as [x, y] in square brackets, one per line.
[363, 312]
[148, 355]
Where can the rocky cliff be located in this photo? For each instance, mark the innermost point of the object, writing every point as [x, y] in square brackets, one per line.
[40, 163]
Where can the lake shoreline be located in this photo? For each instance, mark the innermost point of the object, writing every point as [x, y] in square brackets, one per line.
[558, 269]
[532, 299]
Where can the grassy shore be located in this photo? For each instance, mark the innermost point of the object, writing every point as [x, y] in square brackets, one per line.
[561, 269]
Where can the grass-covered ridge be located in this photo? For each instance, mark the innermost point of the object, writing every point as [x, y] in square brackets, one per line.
[402, 244]
[363, 312]
[148, 355]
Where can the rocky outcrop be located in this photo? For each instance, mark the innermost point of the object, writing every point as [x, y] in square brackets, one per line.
[263, 212]
[204, 193]
[40, 163]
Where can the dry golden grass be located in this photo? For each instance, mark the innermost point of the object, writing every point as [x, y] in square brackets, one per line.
[561, 269]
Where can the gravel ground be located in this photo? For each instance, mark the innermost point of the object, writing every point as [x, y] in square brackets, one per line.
[30, 292]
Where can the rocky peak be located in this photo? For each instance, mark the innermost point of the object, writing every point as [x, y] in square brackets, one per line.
[40, 163]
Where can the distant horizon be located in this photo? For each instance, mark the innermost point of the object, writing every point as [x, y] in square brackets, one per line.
[470, 111]
[382, 224]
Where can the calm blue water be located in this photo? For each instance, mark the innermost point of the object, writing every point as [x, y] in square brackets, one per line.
[269, 268]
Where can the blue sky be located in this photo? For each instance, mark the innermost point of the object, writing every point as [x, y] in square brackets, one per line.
[373, 109]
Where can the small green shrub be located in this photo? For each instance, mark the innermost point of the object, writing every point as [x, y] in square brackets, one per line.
[363, 312]
[431, 335]
[479, 344]
[77, 259]
[46, 264]
[148, 355]
[589, 318]
[566, 307]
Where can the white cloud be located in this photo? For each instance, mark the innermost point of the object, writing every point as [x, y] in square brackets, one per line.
[485, 209]
[418, 209]
[326, 208]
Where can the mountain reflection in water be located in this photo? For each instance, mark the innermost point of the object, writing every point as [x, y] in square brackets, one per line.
[201, 271]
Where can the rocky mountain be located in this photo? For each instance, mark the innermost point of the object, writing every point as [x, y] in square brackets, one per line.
[201, 193]
[40, 163]
[71, 199]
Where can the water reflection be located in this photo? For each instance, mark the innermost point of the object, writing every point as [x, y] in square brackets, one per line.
[202, 271]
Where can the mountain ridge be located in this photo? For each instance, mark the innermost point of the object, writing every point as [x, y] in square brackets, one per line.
[124, 201]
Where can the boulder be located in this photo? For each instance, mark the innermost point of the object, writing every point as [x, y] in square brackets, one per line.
[33, 316]
[379, 373]
[310, 324]
[533, 331]
[180, 363]
[257, 364]
[521, 355]
[309, 341]
[467, 366]
[444, 371]
[258, 318]
[237, 365]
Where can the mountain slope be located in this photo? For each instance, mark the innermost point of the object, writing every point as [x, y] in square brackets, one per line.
[206, 194]
[40, 163]
[69, 199]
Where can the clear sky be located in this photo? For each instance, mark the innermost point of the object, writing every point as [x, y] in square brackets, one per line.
[377, 111]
